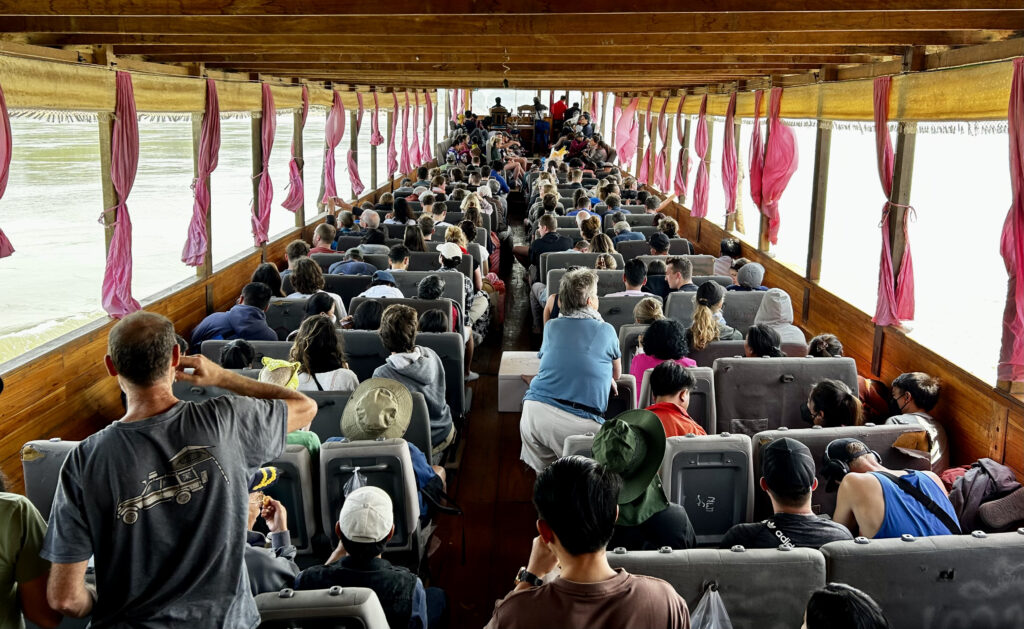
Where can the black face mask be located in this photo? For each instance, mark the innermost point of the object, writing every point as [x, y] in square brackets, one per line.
[805, 414]
[895, 408]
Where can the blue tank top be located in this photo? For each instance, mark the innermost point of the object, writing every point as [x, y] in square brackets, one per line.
[904, 514]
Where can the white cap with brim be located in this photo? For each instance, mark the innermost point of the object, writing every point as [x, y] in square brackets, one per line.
[367, 516]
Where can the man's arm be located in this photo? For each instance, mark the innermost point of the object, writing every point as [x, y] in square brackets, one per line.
[844, 504]
[66, 591]
[301, 409]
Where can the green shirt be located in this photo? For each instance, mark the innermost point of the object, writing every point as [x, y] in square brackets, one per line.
[21, 537]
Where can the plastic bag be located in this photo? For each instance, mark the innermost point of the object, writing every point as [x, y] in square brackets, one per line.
[355, 482]
[710, 612]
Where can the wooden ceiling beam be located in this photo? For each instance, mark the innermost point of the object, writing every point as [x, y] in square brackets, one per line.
[456, 58]
[172, 51]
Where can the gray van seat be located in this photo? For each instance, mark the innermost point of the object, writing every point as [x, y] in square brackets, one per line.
[633, 219]
[618, 311]
[478, 251]
[702, 396]
[943, 581]
[325, 260]
[646, 230]
[877, 438]
[454, 287]
[331, 405]
[419, 305]
[274, 349]
[294, 488]
[739, 308]
[429, 261]
[757, 394]
[41, 461]
[712, 478]
[583, 445]
[624, 399]
[608, 281]
[344, 286]
[761, 588]
[629, 339]
[339, 608]
[385, 464]
[703, 265]
[565, 259]
[633, 248]
[571, 232]
[736, 349]
[285, 316]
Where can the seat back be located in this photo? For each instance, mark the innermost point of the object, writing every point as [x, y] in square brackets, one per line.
[712, 478]
[618, 311]
[194, 393]
[41, 462]
[724, 280]
[294, 488]
[702, 264]
[736, 349]
[344, 286]
[429, 261]
[385, 464]
[582, 445]
[274, 349]
[645, 230]
[944, 581]
[329, 407]
[454, 287]
[634, 220]
[565, 259]
[624, 399]
[337, 607]
[565, 221]
[571, 232]
[634, 248]
[877, 438]
[756, 394]
[325, 260]
[629, 338]
[479, 252]
[285, 316]
[739, 308]
[762, 588]
[608, 281]
[419, 305]
[702, 396]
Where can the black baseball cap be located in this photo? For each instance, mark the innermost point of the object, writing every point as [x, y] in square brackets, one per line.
[846, 450]
[787, 466]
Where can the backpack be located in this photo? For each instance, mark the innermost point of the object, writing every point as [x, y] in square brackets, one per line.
[986, 480]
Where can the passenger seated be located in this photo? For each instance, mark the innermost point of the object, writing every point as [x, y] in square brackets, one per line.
[839, 606]
[295, 251]
[268, 274]
[318, 304]
[669, 227]
[659, 244]
[579, 362]
[353, 264]
[647, 311]
[307, 280]
[679, 275]
[634, 276]
[366, 316]
[601, 243]
[873, 394]
[364, 526]
[730, 250]
[831, 404]
[450, 257]
[373, 239]
[435, 320]
[657, 284]
[576, 500]
[776, 312]
[787, 476]
[749, 277]
[23, 573]
[624, 232]
[708, 323]
[418, 368]
[670, 395]
[762, 342]
[320, 352]
[398, 258]
[605, 262]
[664, 339]
[247, 319]
[734, 270]
[238, 354]
[877, 502]
[270, 569]
[323, 238]
[382, 286]
[914, 395]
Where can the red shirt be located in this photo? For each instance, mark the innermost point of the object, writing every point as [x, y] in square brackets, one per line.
[675, 420]
[324, 250]
[558, 110]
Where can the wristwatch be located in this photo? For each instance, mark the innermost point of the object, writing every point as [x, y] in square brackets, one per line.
[525, 576]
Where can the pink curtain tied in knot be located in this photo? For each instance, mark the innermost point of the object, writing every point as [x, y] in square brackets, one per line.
[6, 146]
[261, 205]
[626, 132]
[296, 187]
[895, 295]
[680, 182]
[124, 163]
[780, 162]
[414, 144]
[454, 98]
[353, 166]
[333, 133]
[661, 161]
[1011, 246]
[392, 139]
[403, 165]
[593, 108]
[376, 139]
[700, 143]
[209, 147]
[643, 170]
[730, 170]
[756, 152]
[426, 154]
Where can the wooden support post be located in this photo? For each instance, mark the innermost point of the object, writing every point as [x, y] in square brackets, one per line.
[433, 147]
[819, 190]
[739, 220]
[653, 143]
[353, 143]
[642, 120]
[387, 140]
[256, 136]
[669, 130]
[300, 214]
[763, 242]
[615, 128]
[447, 111]
[903, 168]
[106, 131]
[604, 117]
[373, 163]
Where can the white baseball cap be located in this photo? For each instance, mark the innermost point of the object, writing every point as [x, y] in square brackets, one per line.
[367, 515]
[450, 250]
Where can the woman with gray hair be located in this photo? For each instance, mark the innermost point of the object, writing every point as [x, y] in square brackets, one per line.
[579, 363]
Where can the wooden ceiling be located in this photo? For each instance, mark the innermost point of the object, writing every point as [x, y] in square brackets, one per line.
[534, 44]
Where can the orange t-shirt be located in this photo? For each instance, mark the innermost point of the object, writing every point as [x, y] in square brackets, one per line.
[675, 420]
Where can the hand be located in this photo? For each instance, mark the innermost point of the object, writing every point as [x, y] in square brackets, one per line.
[205, 372]
[276, 516]
[542, 559]
[615, 388]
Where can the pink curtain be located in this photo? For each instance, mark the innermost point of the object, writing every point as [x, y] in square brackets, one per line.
[643, 169]
[209, 147]
[261, 206]
[730, 172]
[455, 105]
[403, 165]
[376, 139]
[756, 153]
[700, 143]
[428, 117]
[124, 163]
[353, 165]
[593, 108]
[660, 163]
[780, 162]
[6, 146]
[895, 296]
[333, 133]
[616, 116]
[392, 138]
[414, 145]
[296, 187]
[626, 133]
[681, 181]
[1011, 352]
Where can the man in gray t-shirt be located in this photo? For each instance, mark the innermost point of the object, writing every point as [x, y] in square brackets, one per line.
[160, 498]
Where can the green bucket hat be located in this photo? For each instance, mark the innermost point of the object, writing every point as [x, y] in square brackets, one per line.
[633, 445]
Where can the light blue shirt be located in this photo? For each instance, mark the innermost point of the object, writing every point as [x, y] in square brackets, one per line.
[576, 365]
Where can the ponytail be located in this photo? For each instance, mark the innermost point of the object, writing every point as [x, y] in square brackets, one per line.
[705, 328]
[838, 405]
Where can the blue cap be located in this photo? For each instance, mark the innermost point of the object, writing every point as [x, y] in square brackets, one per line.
[383, 276]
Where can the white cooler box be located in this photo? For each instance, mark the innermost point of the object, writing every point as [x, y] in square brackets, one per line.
[511, 388]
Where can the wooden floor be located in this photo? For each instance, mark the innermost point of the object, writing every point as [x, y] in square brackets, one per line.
[492, 485]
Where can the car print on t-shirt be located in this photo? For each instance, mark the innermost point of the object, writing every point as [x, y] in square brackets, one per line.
[179, 484]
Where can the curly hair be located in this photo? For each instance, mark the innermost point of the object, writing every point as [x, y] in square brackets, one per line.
[318, 347]
[601, 243]
[307, 277]
[665, 339]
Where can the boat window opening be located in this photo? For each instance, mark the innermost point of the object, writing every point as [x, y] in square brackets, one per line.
[795, 204]
[313, 152]
[281, 220]
[160, 205]
[51, 286]
[382, 149]
[231, 190]
[363, 146]
[716, 194]
[751, 215]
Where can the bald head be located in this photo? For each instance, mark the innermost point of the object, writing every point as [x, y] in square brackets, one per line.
[370, 220]
[141, 346]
